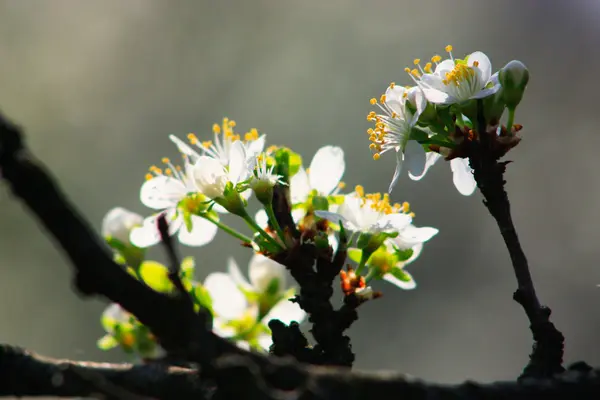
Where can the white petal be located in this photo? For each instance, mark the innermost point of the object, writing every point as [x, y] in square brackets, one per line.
[234, 271]
[299, 186]
[262, 270]
[333, 242]
[444, 66]
[184, 148]
[238, 168]
[119, 222]
[411, 236]
[415, 158]
[430, 158]
[418, 100]
[326, 169]
[285, 311]
[148, 234]
[299, 213]
[394, 99]
[203, 232]
[261, 218]
[462, 176]
[116, 313]
[334, 218]
[417, 249]
[484, 65]
[227, 300]
[401, 284]
[256, 146]
[392, 222]
[487, 92]
[209, 176]
[397, 171]
[162, 192]
[437, 96]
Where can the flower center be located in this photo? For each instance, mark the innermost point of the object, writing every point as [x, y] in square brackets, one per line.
[226, 128]
[380, 203]
[460, 74]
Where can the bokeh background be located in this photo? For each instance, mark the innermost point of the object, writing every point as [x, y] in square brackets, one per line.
[99, 85]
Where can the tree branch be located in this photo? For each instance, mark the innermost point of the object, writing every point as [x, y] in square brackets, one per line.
[546, 358]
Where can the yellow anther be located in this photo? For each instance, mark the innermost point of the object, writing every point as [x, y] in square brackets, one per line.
[272, 149]
[373, 101]
[216, 128]
[127, 339]
[360, 191]
[407, 70]
[427, 68]
[376, 156]
[372, 146]
[476, 63]
[192, 138]
[178, 167]
[436, 59]
[168, 171]
[232, 124]
[341, 185]
[412, 215]
[416, 61]
[415, 73]
[382, 99]
[392, 85]
[448, 48]
[373, 138]
[149, 176]
[370, 131]
[394, 115]
[165, 160]
[206, 144]
[405, 207]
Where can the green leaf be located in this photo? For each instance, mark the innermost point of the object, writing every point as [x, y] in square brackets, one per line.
[320, 203]
[295, 162]
[202, 297]
[107, 342]
[156, 276]
[188, 266]
[401, 275]
[403, 255]
[363, 240]
[354, 254]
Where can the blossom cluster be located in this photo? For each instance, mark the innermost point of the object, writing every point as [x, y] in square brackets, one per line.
[216, 179]
[430, 120]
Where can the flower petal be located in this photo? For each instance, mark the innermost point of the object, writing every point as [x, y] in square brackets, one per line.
[238, 167]
[437, 96]
[162, 192]
[286, 311]
[463, 176]
[411, 236]
[227, 300]
[415, 157]
[119, 222]
[417, 99]
[184, 148]
[417, 249]
[261, 218]
[262, 270]
[395, 100]
[334, 218]
[326, 169]
[257, 146]
[430, 158]
[236, 275]
[148, 234]
[392, 222]
[202, 233]
[483, 63]
[397, 171]
[265, 341]
[299, 186]
[487, 92]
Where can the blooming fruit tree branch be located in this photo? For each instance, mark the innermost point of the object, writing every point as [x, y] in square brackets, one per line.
[236, 335]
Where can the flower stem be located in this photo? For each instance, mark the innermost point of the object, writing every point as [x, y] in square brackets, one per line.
[363, 261]
[511, 120]
[252, 224]
[273, 219]
[227, 229]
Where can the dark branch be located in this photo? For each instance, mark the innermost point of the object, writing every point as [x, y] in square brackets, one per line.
[546, 358]
[229, 372]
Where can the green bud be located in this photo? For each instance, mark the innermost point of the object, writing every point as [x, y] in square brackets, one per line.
[513, 78]
[263, 190]
[232, 201]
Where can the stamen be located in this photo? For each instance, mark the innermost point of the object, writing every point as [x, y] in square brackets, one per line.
[193, 139]
[373, 101]
[216, 129]
[376, 156]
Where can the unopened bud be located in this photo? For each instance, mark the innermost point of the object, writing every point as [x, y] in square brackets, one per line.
[513, 78]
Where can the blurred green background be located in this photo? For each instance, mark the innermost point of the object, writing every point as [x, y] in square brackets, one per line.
[98, 86]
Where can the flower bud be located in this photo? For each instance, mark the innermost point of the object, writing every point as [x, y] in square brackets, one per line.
[513, 78]
[118, 224]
